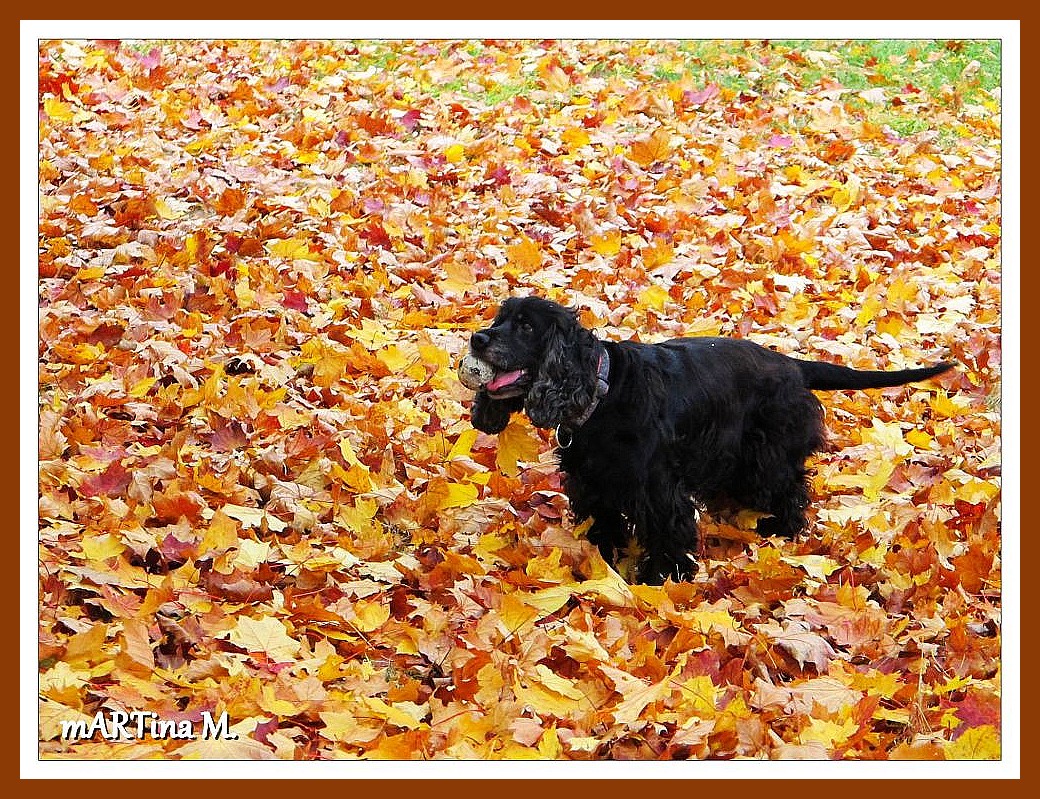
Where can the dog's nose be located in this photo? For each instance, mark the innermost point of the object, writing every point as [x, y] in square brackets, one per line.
[479, 341]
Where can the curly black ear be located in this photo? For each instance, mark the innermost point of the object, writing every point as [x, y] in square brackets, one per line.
[566, 380]
[492, 415]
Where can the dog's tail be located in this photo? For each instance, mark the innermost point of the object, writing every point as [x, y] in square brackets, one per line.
[830, 377]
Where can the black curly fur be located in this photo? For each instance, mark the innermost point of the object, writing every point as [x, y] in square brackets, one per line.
[695, 422]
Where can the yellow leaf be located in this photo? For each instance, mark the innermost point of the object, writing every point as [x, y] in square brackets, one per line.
[871, 483]
[460, 278]
[463, 444]
[653, 297]
[516, 614]
[896, 715]
[889, 437]
[292, 249]
[610, 589]
[637, 694]
[847, 193]
[953, 684]
[975, 491]
[394, 358]
[63, 680]
[142, 387]
[253, 517]
[171, 207]
[920, 439]
[90, 273]
[406, 715]
[944, 406]
[330, 365]
[707, 620]
[345, 726]
[201, 144]
[58, 110]
[491, 684]
[608, 244]
[434, 356]
[440, 494]
[978, 743]
[818, 566]
[547, 568]
[370, 615]
[797, 245]
[272, 704]
[347, 451]
[547, 692]
[549, 745]
[460, 495]
[265, 635]
[829, 733]
[575, 137]
[891, 325]
[356, 477]
[489, 544]
[455, 153]
[101, 547]
[517, 442]
[319, 207]
[251, 554]
[700, 693]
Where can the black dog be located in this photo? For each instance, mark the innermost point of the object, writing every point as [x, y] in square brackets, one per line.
[649, 432]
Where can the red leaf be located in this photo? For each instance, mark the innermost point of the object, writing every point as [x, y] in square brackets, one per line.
[112, 482]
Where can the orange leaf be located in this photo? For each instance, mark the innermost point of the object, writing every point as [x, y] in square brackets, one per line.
[650, 149]
[525, 254]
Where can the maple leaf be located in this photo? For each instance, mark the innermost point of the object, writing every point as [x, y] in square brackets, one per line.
[518, 442]
[650, 149]
[265, 635]
[112, 482]
[975, 743]
[802, 644]
[637, 694]
[548, 693]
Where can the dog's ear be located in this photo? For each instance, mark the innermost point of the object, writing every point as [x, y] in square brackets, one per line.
[565, 383]
[491, 415]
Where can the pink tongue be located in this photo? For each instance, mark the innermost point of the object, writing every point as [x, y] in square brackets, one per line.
[504, 379]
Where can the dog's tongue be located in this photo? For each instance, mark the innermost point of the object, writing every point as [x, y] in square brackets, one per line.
[504, 379]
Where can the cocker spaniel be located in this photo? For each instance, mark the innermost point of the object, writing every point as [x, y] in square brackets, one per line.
[647, 433]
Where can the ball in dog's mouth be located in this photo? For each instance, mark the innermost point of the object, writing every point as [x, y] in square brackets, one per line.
[476, 374]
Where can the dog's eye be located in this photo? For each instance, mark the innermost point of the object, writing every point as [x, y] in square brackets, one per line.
[524, 326]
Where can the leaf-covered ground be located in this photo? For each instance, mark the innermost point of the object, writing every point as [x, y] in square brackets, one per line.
[260, 492]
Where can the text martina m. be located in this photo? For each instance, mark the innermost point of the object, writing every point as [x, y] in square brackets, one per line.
[143, 724]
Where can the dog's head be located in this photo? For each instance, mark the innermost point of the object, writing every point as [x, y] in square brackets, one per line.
[541, 359]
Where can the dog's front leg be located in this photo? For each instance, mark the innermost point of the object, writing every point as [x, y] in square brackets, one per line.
[667, 530]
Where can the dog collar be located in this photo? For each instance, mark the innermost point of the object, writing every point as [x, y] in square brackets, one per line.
[602, 387]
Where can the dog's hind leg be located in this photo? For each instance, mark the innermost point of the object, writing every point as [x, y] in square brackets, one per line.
[784, 495]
